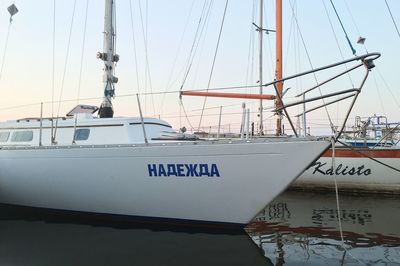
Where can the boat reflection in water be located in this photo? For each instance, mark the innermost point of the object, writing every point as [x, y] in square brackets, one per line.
[33, 237]
[303, 227]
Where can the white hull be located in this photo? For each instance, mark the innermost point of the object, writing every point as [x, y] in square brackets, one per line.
[368, 175]
[115, 179]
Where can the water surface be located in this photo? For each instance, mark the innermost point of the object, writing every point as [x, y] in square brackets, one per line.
[296, 229]
[303, 228]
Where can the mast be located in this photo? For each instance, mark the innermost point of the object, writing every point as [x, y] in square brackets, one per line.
[110, 58]
[261, 127]
[278, 71]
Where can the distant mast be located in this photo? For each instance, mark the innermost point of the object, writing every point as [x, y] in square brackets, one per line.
[110, 58]
[261, 126]
[278, 71]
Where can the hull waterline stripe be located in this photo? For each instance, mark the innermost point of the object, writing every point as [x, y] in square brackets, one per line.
[363, 153]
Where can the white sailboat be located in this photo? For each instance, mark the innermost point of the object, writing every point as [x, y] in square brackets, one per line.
[367, 160]
[139, 166]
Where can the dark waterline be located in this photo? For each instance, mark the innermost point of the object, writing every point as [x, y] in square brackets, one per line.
[31, 236]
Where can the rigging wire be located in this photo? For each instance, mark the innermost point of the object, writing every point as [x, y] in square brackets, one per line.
[170, 81]
[202, 43]
[145, 39]
[53, 67]
[214, 59]
[250, 52]
[186, 116]
[312, 67]
[128, 95]
[12, 10]
[337, 41]
[199, 32]
[202, 27]
[394, 97]
[341, 54]
[174, 114]
[65, 67]
[180, 115]
[134, 47]
[148, 65]
[388, 88]
[363, 153]
[80, 69]
[298, 66]
[82, 51]
[379, 94]
[355, 24]
[344, 30]
[97, 98]
[352, 17]
[5, 50]
[391, 15]
[268, 42]
[286, 57]
[145, 47]
[298, 63]
[217, 107]
[213, 114]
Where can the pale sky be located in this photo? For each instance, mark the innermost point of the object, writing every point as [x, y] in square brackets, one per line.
[170, 28]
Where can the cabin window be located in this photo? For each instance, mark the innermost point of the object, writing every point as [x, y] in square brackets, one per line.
[21, 136]
[82, 134]
[4, 136]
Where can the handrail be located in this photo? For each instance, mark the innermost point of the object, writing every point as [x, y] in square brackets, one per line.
[318, 98]
[326, 104]
[367, 60]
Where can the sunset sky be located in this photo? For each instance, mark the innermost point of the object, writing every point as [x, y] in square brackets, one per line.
[169, 27]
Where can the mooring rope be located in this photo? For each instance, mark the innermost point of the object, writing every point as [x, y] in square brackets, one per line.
[339, 217]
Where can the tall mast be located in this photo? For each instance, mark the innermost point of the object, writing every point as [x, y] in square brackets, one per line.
[278, 71]
[261, 127]
[110, 58]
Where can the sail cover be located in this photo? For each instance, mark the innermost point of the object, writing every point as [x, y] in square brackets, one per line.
[82, 108]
